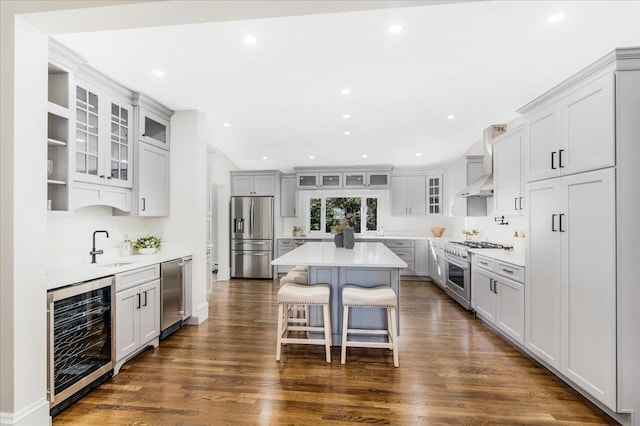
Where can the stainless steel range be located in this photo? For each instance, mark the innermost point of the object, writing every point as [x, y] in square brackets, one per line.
[458, 268]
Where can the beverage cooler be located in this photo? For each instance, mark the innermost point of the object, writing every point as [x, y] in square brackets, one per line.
[80, 340]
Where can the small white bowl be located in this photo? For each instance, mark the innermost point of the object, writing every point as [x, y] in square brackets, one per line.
[150, 250]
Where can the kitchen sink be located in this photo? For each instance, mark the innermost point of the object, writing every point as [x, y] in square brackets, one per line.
[111, 265]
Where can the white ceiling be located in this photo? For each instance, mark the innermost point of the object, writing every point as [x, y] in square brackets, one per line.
[479, 61]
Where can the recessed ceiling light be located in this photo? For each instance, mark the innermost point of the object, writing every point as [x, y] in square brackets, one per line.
[364, 155]
[157, 73]
[265, 158]
[395, 29]
[418, 154]
[347, 133]
[345, 91]
[227, 125]
[311, 157]
[556, 17]
[346, 116]
[450, 117]
[250, 40]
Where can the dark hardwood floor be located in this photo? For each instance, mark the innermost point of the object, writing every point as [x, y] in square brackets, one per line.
[453, 370]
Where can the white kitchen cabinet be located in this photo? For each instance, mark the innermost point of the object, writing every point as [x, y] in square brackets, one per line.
[330, 180]
[285, 246]
[102, 138]
[421, 258]
[153, 180]
[243, 184]
[499, 299]
[366, 179]
[573, 132]
[308, 180]
[437, 263]
[405, 250]
[408, 195]
[508, 187]
[571, 278]
[59, 128]
[153, 127]
[434, 194]
[456, 178]
[137, 312]
[288, 196]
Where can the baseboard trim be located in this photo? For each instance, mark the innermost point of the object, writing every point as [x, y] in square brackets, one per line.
[36, 413]
[200, 314]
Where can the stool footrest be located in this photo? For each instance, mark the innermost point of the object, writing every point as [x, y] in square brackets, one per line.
[367, 331]
[358, 344]
[294, 340]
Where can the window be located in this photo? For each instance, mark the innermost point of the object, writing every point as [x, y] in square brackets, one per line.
[325, 212]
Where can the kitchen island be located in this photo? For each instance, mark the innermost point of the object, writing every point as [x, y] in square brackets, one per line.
[368, 264]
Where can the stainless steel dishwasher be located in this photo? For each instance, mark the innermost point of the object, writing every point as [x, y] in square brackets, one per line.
[175, 294]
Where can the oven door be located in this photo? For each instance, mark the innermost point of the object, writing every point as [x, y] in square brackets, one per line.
[459, 277]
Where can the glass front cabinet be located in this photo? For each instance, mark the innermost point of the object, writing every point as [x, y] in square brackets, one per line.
[153, 128]
[102, 137]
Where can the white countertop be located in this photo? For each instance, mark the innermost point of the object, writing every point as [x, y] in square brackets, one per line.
[374, 255]
[513, 257]
[63, 272]
[358, 237]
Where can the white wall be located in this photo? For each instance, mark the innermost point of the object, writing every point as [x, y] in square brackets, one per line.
[23, 287]
[186, 222]
[221, 166]
[71, 234]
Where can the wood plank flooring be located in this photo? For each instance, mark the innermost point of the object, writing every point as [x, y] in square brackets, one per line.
[453, 371]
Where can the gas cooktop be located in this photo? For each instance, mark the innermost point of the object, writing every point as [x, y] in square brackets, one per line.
[479, 244]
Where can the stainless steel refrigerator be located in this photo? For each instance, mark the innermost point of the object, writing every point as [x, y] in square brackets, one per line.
[251, 237]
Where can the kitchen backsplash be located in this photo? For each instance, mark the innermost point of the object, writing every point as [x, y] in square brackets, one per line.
[72, 234]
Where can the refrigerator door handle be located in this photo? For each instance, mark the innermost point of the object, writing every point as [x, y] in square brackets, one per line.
[251, 218]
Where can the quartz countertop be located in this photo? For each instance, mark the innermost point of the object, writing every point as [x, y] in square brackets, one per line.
[65, 270]
[513, 257]
[358, 237]
[366, 254]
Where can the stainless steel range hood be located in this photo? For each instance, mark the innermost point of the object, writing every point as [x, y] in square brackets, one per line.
[483, 186]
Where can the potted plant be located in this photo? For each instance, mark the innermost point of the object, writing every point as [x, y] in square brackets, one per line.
[148, 245]
[470, 234]
[338, 233]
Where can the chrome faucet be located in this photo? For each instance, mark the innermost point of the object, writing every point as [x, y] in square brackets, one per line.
[93, 251]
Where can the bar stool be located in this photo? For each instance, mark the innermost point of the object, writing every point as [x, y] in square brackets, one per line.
[296, 313]
[372, 297]
[298, 294]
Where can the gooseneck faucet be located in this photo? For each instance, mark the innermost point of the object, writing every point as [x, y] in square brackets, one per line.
[93, 251]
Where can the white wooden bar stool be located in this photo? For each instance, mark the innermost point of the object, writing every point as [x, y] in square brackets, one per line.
[300, 294]
[296, 313]
[370, 297]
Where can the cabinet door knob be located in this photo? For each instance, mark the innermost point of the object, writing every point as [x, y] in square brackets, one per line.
[102, 176]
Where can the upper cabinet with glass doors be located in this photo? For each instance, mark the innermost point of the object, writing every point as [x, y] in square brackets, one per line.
[102, 137]
[153, 128]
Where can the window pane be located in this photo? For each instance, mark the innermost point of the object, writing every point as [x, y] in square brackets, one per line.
[372, 214]
[315, 211]
[339, 208]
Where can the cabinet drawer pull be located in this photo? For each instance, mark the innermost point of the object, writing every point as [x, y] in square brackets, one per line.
[484, 263]
[145, 299]
[138, 301]
[515, 203]
[507, 271]
[553, 223]
[560, 159]
[553, 165]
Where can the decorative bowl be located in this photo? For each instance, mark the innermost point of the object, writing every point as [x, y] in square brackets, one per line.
[437, 231]
[149, 250]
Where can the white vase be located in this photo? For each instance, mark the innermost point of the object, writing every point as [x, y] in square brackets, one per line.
[149, 250]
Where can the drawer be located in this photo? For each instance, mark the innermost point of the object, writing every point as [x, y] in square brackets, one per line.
[405, 254]
[483, 262]
[283, 250]
[138, 276]
[409, 270]
[399, 243]
[285, 243]
[509, 270]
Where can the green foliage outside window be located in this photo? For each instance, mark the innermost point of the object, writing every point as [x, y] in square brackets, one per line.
[338, 208]
[372, 214]
[315, 212]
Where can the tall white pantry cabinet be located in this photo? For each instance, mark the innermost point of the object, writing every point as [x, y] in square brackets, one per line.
[582, 186]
